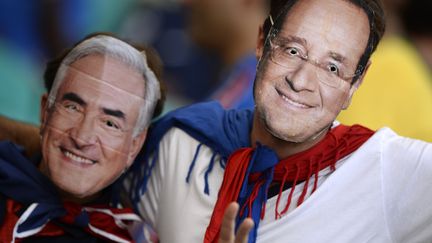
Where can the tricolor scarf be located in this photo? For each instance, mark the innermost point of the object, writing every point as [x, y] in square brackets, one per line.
[30, 192]
[223, 131]
[249, 171]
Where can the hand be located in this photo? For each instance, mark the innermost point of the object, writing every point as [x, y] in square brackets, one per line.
[227, 234]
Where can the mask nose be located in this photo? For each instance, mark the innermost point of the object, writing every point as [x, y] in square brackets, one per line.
[84, 133]
[303, 78]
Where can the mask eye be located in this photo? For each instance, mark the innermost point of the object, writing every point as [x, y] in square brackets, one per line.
[292, 51]
[333, 69]
[71, 107]
[111, 125]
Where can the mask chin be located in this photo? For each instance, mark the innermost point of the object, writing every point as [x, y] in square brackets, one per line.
[296, 139]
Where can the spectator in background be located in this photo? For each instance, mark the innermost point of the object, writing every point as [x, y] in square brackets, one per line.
[417, 20]
[20, 63]
[229, 29]
[397, 92]
[33, 32]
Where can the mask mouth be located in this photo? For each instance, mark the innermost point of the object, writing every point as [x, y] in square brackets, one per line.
[77, 157]
[292, 101]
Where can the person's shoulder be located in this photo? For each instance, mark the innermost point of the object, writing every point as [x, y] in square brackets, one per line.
[177, 135]
[199, 120]
[402, 148]
[8, 143]
[388, 135]
[8, 147]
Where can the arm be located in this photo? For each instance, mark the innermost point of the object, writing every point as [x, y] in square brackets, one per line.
[20, 133]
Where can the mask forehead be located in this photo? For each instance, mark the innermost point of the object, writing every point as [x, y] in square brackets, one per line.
[91, 84]
[329, 26]
[100, 92]
[111, 71]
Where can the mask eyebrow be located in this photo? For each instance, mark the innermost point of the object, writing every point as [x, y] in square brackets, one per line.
[337, 57]
[115, 113]
[74, 97]
[295, 39]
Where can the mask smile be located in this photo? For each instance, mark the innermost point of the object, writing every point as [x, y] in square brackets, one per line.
[77, 159]
[291, 101]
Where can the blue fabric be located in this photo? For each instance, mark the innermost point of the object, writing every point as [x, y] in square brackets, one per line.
[206, 174]
[193, 163]
[224, 131]
[263, 160]
[21, 181]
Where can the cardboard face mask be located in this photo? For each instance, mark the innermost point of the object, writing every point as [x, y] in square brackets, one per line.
[89, 122]
[304, 81]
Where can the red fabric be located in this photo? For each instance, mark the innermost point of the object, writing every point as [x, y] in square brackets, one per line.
[99, 220]
[338, 143]
[11, 218]
[234, 175]
[9, 221]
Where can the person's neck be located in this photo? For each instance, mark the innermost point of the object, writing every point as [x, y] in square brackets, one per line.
[282, 148]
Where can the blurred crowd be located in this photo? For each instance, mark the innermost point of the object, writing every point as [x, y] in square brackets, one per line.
[208, 50]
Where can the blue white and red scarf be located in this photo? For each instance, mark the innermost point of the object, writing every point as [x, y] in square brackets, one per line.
[30, 192]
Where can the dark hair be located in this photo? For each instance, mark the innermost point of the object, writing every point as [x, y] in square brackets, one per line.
[373, 9]
[416, 17]
[153, 60]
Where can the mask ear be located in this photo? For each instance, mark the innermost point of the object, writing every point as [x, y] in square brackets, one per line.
[260, 43]
[43, 111]
[136, 146]
[355, 86]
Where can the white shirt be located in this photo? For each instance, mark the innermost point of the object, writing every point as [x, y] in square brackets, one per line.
[380, 193]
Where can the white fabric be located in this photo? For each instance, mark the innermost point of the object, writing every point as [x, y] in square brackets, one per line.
[380, 193]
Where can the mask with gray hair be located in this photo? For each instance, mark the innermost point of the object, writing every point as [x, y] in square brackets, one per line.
[112, 47]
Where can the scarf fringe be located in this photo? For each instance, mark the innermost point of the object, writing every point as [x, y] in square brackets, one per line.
[139, 180]
[340, 142]
[206, 174]
[291, 192]
[318, 169]
[193, 162]
[305, 187]
[222, 162]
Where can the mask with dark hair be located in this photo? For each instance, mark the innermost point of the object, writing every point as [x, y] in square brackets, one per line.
[279, 9]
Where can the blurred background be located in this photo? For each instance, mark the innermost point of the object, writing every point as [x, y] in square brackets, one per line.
[207, 47]
[33, 32]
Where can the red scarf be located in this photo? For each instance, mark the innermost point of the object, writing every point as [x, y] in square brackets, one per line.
[104, 222]
[338, 143]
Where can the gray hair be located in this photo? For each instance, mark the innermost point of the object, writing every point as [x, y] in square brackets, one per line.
[110, 46]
